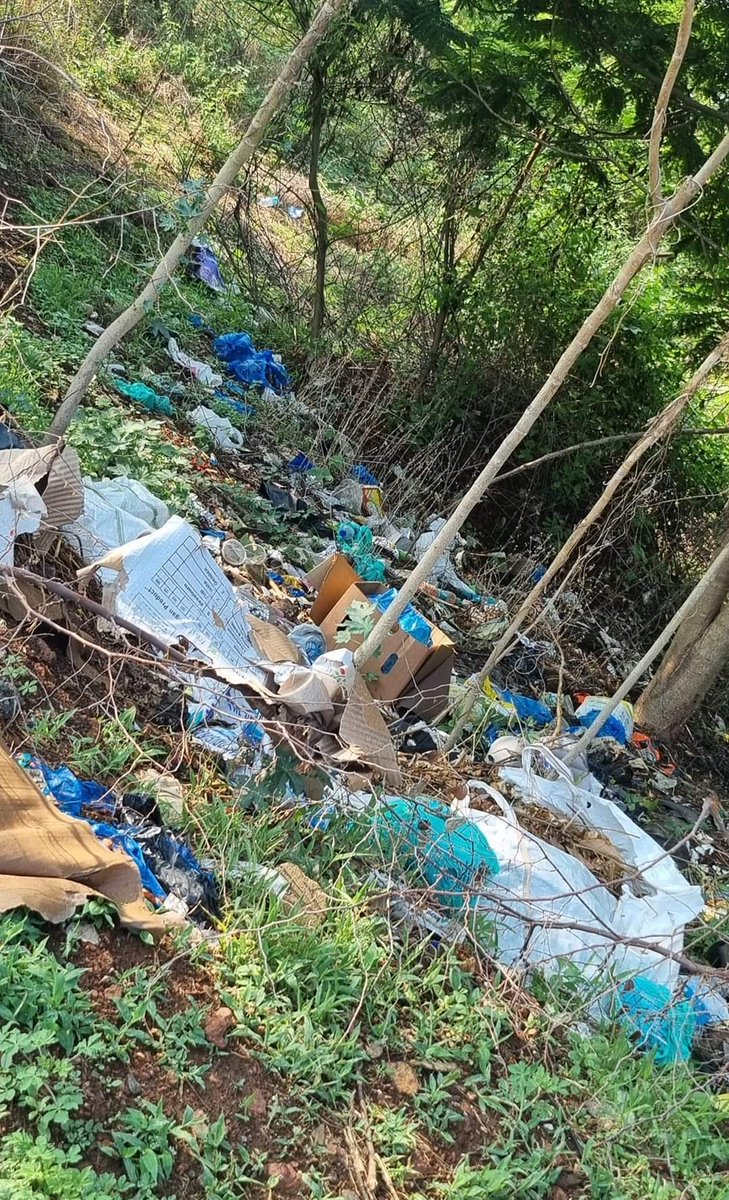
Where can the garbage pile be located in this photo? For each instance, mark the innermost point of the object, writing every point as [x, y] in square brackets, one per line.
[541, 855]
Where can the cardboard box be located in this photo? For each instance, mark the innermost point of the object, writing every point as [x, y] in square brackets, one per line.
[415, 676]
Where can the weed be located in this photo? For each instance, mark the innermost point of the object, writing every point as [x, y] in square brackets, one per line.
[110, 443]
[48, 728]
[144, 1142]
[33, 1168]
[15, 671]
[113, 750]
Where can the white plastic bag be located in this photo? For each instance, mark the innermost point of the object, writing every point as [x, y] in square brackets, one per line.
[654, 905]
[224, 434]
[115, 511]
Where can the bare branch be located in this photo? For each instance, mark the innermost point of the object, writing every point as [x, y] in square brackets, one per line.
[655, 193]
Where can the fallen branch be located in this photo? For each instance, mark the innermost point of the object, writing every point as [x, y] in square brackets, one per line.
[533, 463]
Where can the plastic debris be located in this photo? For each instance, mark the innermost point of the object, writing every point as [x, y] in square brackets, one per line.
[146, 396]
[357, 543]
[453, 858]
[222, 431]
[443, 572]
[201, 371]
[410, 620]
[115, 511]
[10, 439]
[249, 365]
[364, 476]
[619, 724]
[310, 640]
[301, 462]
[205, 266]
[165, 861]
[661, 1023]
[710, 1007]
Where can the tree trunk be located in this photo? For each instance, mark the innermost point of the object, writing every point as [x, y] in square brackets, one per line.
[321, 216]
[448, 235]
[225, 178]
[644, 251]
[693, 662]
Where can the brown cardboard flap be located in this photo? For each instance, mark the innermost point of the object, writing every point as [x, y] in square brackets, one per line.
[364, 731]
[50, 862]
[331, 578]
[272, 642]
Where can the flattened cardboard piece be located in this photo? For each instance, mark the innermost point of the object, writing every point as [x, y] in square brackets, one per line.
[38, 599]
[363, 730]
[331, 579]
[62, 492]
[272, 642]
[62, 857]
[393, 670]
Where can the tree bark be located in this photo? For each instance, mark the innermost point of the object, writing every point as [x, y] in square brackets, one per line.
[708, 586]
[694, 660]
[655, 191]
[661, 426]
[644, 251]
[225, 178]
[321, 216]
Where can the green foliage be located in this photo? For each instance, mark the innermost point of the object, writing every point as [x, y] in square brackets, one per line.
[33, 1168]
[114, 749]
[111, 443]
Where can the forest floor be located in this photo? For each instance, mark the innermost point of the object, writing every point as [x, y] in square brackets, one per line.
[346, 1058]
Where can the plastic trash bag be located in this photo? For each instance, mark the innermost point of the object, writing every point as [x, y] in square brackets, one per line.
[620, 723]
[249, 365]
[201, 371]
[443, 573]
[116, 511]
[357, 543]
[146, 396]
[205, 267]
[655, 908]
[662, 1023]
[421, 834]
[222, 431]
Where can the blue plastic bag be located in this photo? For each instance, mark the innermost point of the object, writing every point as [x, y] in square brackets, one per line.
[410, 621]
[249, 365]
[452, 858]
[661, 1023]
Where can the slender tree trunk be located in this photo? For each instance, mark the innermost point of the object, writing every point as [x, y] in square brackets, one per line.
[694, 660]
[660, 427]
[694, 603]
[321, 216]
[448, 238]
[643, 252]
[454, 290]
[225, 178]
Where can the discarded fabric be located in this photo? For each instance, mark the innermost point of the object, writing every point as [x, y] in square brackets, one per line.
[249, 365]
[146, 396]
